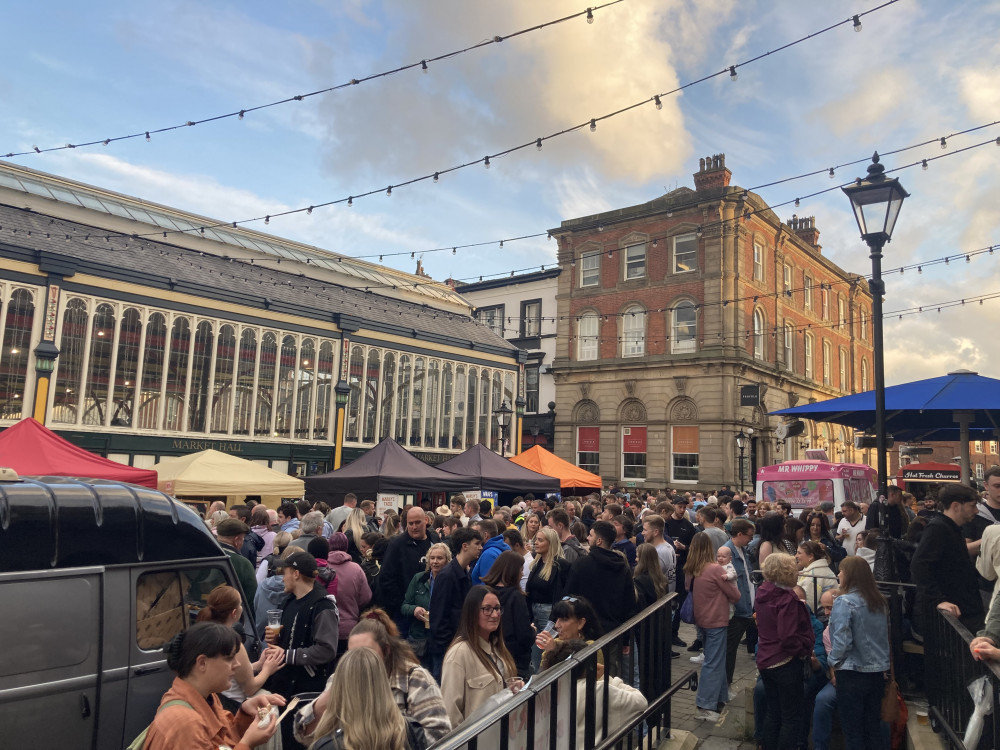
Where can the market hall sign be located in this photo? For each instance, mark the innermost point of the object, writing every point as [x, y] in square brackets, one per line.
[204, 445]
[946, 475]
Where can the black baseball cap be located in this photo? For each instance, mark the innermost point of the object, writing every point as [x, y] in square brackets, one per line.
[299, 560]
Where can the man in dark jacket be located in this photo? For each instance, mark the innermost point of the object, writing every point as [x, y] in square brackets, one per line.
[448, 592]
[942, 569]
[231, 532]
[404, 558]
[889, 515]
[494, 546]
[604, 578]
[310, 623]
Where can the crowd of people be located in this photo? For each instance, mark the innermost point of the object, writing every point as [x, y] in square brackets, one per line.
[457, 606]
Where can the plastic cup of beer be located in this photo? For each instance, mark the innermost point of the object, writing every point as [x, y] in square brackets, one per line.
[922, 718]
[273, 622]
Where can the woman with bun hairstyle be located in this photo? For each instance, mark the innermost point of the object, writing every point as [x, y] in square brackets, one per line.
[225, 606]
[205, 658]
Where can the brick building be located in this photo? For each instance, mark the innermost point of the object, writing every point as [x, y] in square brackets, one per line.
[667, 308]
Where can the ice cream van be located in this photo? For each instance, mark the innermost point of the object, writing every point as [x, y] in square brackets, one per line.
[806, 484]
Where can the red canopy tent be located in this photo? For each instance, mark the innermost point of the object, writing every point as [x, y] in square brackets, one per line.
[32, 449]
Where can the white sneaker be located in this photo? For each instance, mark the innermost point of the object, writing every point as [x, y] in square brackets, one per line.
[705, 715]
[700, 658]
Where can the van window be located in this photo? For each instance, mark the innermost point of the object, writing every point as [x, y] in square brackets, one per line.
[168, 601]
[799, 493]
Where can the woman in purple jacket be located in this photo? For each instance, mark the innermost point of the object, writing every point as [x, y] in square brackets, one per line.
[786, 638]
[712, 594]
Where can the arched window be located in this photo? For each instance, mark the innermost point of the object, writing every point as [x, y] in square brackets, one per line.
[758, 334]
[634, 332]
[684, 327]
[70, 362]
[588, 329]
[864, 375]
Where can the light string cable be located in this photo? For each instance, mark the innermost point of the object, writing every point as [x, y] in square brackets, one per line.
[241, 113]
[485, 161]
[755, 297]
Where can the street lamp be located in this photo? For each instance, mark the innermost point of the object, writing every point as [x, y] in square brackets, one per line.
[341, 393]
[742, 438]
[876, 202]
[502, 416]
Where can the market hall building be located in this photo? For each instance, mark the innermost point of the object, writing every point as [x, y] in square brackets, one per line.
[138, 331]
[666, 309]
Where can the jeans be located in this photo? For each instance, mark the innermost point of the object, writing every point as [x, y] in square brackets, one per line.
[826, 707]
[682, 594]
[785, 697]
[859, 701]
[541, 614]
[712, 686]
[759, 710]
[737, 627]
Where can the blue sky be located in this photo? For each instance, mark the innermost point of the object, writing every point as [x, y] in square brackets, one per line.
[919, 69]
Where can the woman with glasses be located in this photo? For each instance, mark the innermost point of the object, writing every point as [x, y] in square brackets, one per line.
[477, 665]
[516, 621]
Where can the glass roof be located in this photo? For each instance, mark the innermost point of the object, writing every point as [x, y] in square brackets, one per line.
[388, 278]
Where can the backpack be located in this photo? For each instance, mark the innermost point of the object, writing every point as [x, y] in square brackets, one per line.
[753, 552]
[139, 742]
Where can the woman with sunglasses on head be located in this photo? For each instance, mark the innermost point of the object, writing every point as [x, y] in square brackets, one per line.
[477, 665]
[190, 716]
[574, 618]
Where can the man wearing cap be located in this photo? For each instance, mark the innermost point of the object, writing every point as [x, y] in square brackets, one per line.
[310, 624]
[682, 531]
[231, 532]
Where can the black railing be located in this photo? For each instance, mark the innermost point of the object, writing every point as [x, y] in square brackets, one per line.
[951, 670]
[569, 705]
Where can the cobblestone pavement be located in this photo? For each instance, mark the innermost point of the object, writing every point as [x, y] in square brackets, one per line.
[734, 730]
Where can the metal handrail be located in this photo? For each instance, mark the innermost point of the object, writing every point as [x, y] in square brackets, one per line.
[467, 731]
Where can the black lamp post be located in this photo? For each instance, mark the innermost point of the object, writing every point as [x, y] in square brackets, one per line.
[876, 202]
[741, 443]
[502, 416]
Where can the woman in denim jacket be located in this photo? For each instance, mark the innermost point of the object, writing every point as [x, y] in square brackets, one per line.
[859, 636]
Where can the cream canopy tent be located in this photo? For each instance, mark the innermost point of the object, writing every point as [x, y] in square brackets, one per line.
[211, 473]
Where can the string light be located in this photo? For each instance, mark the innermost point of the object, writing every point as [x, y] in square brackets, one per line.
[944, 143]
[857, 24]
[796, 202]
[732, 73]
[496, 39]
[267, 219]
[923, 165]
[388, 190]
[309, 210]
[435, 177]
[831, 173]
[656, 100]
[593, 125]
[538, 144]
[486, 162]
[147, 138]
[350, 201]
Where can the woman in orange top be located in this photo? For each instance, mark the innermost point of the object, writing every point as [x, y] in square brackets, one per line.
[204, 659]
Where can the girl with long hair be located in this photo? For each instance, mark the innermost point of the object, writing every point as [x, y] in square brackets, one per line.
[772, 531]
[477, 665]
[859, 654]
[414, 690]
[795, 532]
[818, 531]
[361, 713]
[225, 606]
[712, 594]
[204, 659]
[355, 527]
[546, 582]
[650, 583]
[505, 577]
[574, 619]
[532, 525]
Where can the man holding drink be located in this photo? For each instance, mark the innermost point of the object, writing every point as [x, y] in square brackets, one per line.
[307, 629]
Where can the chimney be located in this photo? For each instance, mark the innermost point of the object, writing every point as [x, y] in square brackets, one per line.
[806, 229]
[712, 173]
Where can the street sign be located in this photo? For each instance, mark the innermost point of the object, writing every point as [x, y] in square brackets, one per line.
[750, 395]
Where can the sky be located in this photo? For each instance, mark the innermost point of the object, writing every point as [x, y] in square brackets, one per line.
[917, 71]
